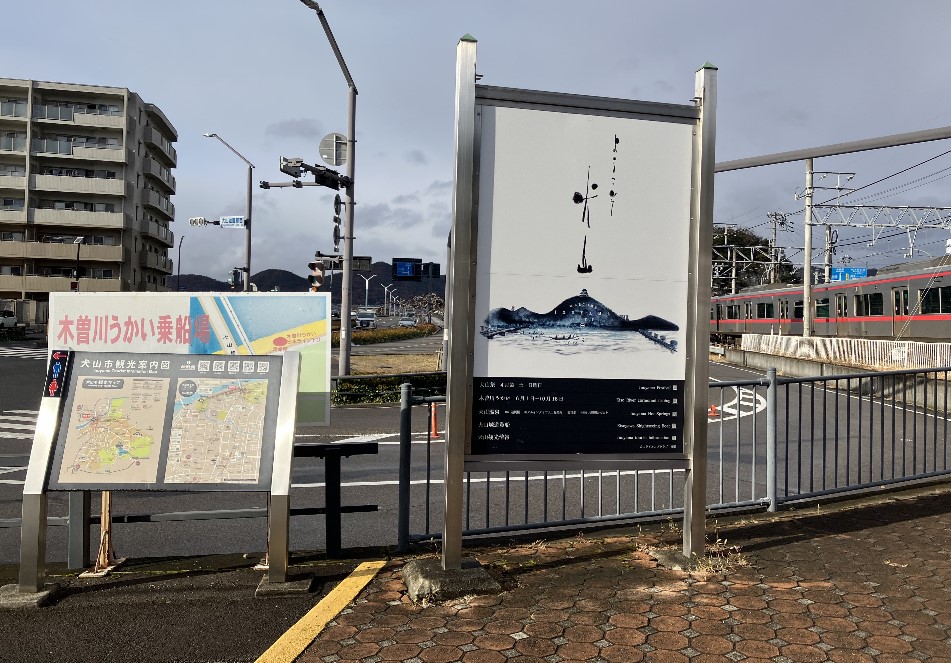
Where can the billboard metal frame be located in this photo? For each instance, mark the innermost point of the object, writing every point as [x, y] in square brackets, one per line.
[35, 489]
[470, 98]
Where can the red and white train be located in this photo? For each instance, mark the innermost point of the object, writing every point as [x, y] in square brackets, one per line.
[911, 302]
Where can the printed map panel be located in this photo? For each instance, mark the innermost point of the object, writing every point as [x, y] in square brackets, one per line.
[115, 431]
[217, 431]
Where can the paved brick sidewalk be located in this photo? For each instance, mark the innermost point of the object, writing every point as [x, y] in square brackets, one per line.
[867, 581]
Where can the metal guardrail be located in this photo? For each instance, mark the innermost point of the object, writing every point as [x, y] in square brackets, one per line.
[841, 433]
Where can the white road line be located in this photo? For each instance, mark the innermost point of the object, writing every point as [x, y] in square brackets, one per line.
[4, 424]
[15, 436]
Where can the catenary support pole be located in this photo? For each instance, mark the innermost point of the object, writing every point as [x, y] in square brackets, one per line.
[807, 316]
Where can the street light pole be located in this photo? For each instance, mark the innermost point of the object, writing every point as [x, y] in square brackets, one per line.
[386, 292]
[247, 216]
[343, 365]
[366, 297]
[78, 242]
[178, 279]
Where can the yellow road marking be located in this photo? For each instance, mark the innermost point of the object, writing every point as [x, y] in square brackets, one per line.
[296, 639]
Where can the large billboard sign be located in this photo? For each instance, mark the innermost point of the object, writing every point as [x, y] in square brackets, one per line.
[205, 323]
[581, 283]
[579, 287]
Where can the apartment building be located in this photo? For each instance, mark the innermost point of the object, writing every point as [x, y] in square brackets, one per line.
[85, 186]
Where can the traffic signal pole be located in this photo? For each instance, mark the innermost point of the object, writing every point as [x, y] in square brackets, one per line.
[343, 365]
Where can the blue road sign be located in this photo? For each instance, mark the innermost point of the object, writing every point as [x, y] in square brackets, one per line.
[847, 273]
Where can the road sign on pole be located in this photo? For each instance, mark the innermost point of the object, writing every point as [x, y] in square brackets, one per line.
[231, 222]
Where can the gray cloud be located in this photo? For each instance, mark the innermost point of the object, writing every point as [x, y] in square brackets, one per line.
[416, 156]
[305, 128]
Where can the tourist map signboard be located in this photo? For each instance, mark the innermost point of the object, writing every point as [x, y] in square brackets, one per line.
[240, 324]
[167, 422]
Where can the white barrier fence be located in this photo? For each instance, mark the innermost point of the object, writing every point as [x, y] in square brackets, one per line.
[861, 353]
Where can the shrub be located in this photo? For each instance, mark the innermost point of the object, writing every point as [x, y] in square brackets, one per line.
[386, 389]
[387, 335]
[17, 333]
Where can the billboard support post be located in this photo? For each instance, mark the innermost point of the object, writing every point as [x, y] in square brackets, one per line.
[698, 296]
[460, 353]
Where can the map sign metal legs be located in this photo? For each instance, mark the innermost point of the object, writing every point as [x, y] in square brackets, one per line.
[33, 527]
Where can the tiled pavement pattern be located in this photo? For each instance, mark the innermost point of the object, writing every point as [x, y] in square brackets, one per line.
[855, 582]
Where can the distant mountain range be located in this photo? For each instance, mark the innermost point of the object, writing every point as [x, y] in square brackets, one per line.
[381, 274]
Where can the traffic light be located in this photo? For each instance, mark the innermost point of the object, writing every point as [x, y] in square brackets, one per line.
[292, 166]
[337, 235]
[316, 277]
[236, 280]
[329, 178]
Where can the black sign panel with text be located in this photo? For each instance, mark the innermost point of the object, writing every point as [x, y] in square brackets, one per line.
[570, 415]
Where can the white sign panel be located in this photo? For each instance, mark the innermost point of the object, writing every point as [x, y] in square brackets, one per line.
[581, 282]
[204, 323]
[231, 221]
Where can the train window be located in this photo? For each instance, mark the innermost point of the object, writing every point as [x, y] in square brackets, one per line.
[930, 300]
[733, 311]
[822, 308]
[871, 303]
[797, 309]
[764, 310]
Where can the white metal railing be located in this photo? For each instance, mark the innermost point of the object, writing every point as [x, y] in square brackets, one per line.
[861, 353]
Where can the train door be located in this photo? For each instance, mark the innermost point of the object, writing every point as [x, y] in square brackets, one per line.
[841, 314]
[784, 322]
[899, 309]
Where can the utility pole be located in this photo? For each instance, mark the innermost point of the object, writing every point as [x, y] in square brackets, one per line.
[779, 221]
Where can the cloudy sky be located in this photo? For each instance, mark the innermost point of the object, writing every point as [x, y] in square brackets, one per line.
[262, 75]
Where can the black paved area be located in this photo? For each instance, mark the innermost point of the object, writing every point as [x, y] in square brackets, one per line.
[198, 609]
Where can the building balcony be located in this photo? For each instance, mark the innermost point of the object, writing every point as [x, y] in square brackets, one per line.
[78, 220]
[16, 108]
[63, 284]
[12, 143]
[155, 261]
[55, 251]
[142, 286]
[94, 185]
[156, 200]
[160, 173]
[12, 182]
[156, 139]
[69, 116]
[11, 283]
[62, 148]
[157, 231]
[13, 216]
